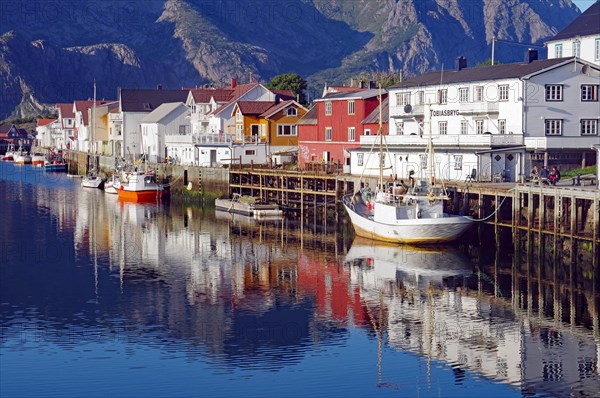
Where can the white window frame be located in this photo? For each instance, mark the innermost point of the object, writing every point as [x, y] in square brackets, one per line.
[458, 162]
[423, 161]
[403, 98]
[558, 51]
[328, 134]
[589, 92]
[238, 116]
[442, 96]
[351, 134]
[350, 107]
[420, 97]
[503, 92]
[478, 94]
[291, 130]
[463, 94]
[554, 92]
[360, 159]
[399, 128]
[443, 127]
[250, 152]
[588, 127]
[597, 49]
[328, 108]
[553, 127]
[239, 132]
[479, 126]
[292, 111]
[367, 132]
[577, 48]
[464, 127]
[501, 126]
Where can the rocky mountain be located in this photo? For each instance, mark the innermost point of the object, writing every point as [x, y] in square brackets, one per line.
[53, 51]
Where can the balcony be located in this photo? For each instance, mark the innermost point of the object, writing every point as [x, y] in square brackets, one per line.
[478, 108]
[213, 139]
[452, 140]
[115, 117]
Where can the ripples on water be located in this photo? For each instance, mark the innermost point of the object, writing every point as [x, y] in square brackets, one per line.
[104, 298]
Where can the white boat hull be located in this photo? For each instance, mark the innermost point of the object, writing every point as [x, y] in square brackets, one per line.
[92, 182]
[411, 231]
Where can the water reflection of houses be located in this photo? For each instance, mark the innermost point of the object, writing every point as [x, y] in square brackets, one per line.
[470, 330]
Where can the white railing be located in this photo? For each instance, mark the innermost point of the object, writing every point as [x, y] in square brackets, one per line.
[210, 138]
[478, 107]
[447, 140]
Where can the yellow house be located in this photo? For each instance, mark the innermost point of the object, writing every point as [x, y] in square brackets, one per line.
[268, 122]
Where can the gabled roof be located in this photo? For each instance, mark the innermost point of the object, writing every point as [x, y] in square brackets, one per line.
[164, 110]
[83, 106]
[284, 95]
[147, 100]
[309, 117]
[586, 24]
[44, 122]
[482, 73]
[239, 91]
[373, 117]
[204, 95]
[6, 127]
[350, 95]
[254, 107]
[66, 111]
[278, 107]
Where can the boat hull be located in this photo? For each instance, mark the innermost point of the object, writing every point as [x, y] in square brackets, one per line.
[56, 168]
[92, 183]
[248, 209]
[410, 231]
[149, 195]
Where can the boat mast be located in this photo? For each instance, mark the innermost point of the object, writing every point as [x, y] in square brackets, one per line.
[93, 119]
[430, 154]
[380, 133]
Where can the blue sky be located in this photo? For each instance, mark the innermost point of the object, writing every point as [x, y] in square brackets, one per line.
[583, 4]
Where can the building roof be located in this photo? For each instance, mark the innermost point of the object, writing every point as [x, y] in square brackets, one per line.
[586, 24]
[349, 95]
[147, 100]
[83, 106]
[284, 95]
[254, 107]
[373, 117]
[66, 110]
[309, 117]
[44, 122]
[280, 106]
[238, 91]
[204, 95]
[481, 73]
[164, 110]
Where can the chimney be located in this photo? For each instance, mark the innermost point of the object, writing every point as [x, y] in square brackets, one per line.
[159, 87]
[532, 55]
[461, 63]
[361, 84]
[233, 83]
[372, 85]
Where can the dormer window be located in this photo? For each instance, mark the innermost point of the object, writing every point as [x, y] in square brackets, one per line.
[292, 112]
[147, 106]
[238, 116]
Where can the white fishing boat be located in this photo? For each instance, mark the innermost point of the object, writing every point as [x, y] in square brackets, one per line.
[139, 186]
[92, 180]
[412, 214]
[9, 155]
[22, 157]
[248, 206]
[38, 159]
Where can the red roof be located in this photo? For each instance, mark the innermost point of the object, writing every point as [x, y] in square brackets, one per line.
[43, 122]
[284, 94]
[65, 111]
[203, 95]
[254, 107]
[282, 105]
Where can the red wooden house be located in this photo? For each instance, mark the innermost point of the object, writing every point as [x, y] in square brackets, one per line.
[334, 126]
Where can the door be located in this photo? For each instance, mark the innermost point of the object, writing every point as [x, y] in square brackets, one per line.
[213, 158]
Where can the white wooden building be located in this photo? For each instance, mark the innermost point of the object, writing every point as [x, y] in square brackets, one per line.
[166, 132]
[490, 122]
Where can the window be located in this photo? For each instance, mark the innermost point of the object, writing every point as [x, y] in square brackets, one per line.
[327, 133]
[443, 128]
[502, 126]
[503, 92]
[458, 162]
[360, 158]
[464, 127]
[239, 132]
[403, 99]
[478, 94]
[558, 51]
[589, 127]
[554, 92]
[423, 158]
[182, 129]
[399, 128]
[442, 96]
[577, 48]
[250, 152]
[238, 116]
[553, 126]
[479, 126]
[597, 49]
[328, 108]
[420, 97]
[292, 112]
[367, 132]
[589, 92]
[350, 107]
[463, 94]
[351, 134]
[286, 130]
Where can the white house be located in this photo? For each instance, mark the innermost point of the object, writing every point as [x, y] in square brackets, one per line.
[135, 104]
[159, 126]
[44, 131]
[581, 38]
[203, 101]
[496, 120]
[66, 119]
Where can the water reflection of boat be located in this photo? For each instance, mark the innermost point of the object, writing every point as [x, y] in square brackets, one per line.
[248, 206]
[414, 266]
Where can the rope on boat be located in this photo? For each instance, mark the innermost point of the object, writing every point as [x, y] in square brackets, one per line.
[494, 212]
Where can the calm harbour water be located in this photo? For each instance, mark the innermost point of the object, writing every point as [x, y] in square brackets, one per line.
[106, 298]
